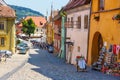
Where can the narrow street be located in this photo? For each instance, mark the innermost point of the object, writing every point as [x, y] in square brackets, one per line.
[42, 65]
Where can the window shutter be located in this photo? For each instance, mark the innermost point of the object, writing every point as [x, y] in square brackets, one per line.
[79, 22]
[2, 41]
[1, 25]
[71, 22]
[101, 4]
[85, 21]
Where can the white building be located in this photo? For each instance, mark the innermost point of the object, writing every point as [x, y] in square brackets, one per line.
[77, 25]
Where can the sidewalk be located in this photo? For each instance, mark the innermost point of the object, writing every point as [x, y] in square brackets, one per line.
[12, 65]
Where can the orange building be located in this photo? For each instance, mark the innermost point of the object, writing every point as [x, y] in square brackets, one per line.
[104, 29]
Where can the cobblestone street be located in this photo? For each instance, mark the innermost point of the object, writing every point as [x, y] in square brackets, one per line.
[45, 66]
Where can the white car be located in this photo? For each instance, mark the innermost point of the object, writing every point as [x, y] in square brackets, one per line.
[6, 52]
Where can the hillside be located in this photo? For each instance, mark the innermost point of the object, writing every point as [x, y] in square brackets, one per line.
[23, 12]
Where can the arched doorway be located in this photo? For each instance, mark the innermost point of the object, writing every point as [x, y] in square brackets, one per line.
[97, 44]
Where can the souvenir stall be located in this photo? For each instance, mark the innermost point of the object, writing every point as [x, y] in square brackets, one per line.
[107, 61]
[81, 63]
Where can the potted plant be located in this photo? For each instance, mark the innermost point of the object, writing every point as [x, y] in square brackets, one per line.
[96, 18]
[116, 17]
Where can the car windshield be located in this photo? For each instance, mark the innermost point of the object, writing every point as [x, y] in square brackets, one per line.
[22, 44]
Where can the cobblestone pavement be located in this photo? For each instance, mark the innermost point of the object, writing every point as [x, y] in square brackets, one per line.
[45, 66]
[12, 64]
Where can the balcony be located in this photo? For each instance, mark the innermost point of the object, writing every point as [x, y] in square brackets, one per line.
[73, 24]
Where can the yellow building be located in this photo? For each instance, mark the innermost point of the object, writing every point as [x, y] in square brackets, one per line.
[50, 29]
[49, 33]
[104, 27]
[7, 27]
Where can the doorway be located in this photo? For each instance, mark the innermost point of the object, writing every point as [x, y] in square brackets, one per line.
[97, 44]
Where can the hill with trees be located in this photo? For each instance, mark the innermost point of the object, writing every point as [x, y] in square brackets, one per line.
[23, 12]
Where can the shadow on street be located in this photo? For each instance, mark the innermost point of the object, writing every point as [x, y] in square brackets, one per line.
[56, 69]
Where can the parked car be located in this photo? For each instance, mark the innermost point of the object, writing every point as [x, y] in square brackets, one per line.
[26, 46]
[21, 45]
[22, 50]
[50, 49]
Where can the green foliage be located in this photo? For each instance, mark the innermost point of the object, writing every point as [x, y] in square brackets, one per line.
[117, 17]
[63, 13]
[23, 12]
[96, 18]
[28, 27]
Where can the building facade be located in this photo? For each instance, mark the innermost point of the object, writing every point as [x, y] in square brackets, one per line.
[77, 26]
[7, 27]
[57, 33]
[104, 28]
[40, 31]
[49, 34]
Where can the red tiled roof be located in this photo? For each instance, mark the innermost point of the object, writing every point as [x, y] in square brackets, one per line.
[38, 20]
[75, 3]
[6, 11]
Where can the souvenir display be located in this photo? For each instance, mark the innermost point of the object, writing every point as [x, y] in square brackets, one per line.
[107, 61]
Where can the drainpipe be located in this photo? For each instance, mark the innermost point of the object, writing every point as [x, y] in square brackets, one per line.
[89, 29]
[63, 38]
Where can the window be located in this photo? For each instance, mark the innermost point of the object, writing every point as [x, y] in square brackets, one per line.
[41, 23]
[68, 22]
[2, 43]
[68, 19]
[36, 30]
[71, 22]
[85, 21]
[79, 22]
[1, 25]
[78, 48]
[101, 4]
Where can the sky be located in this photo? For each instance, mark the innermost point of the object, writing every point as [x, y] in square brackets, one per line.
[41, 6]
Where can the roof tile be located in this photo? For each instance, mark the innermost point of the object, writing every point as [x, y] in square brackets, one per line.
[75, 3]
[6, 11]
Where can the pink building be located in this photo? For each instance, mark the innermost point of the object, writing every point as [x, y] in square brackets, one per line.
[77, 25]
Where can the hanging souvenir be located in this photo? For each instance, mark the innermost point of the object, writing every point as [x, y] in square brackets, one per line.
[114, 49]
[110, 48]
[103, 49]
[117, 49]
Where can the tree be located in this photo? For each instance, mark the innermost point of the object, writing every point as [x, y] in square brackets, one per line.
[28, 27]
